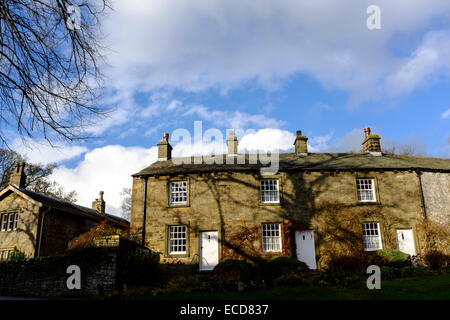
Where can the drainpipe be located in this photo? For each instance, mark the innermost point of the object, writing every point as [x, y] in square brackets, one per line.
[144, 218]
[419, 174]
[40, 232]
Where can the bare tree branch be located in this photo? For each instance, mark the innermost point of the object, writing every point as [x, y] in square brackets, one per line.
[37, 176]
[50, 81]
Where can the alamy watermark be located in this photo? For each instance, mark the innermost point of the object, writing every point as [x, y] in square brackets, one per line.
[373, 22]
[374, 280]
[74, 280]
[268, 161]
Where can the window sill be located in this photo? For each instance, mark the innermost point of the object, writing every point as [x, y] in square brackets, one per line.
[181, 205]
[181, 255]
[372, 250]
[363, 203]
[269, 203]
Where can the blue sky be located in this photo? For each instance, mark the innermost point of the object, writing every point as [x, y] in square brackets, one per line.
[278, 65]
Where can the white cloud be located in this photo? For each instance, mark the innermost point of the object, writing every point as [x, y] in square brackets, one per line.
[431, 58]
[123, 109]
[319, 143]
[195, 45]
[39, 151]
[107, 169]
[267, 140]
[174, 104]
[198, 148]
[411, 145]
[232, 119]
[160, 103]
[162, 110]
[446, 114]
[351, 141]
[264, 140]
[249, 141]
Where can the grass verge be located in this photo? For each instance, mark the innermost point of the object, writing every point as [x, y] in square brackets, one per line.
[431, 287]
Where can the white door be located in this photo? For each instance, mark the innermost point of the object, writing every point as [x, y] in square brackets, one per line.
[405, 241]
[306, 250]
[209, 250]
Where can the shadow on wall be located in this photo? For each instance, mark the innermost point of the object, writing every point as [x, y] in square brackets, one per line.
[337, 223]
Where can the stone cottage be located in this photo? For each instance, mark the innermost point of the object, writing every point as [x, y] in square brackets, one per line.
[201, 210]
[40, 225]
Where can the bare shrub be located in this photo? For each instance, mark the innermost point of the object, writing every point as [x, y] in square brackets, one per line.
[436, 259]
[102, 229]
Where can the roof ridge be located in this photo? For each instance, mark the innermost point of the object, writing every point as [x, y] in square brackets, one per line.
[292, 161]
[84, 209]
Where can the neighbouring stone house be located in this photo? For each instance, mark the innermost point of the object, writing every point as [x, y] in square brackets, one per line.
[40, 225]
[202, 210]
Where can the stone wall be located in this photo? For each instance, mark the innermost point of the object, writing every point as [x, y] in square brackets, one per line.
[102, 269]
[230, 203]
[436, 192]
[47, 276]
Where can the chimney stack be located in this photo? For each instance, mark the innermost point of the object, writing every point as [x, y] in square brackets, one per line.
[232, 144]
[18, 177]
[164, 148]
[301, 147]
[99, 204]
[371, 143]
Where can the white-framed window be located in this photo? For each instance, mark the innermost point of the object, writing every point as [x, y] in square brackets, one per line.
[371, 236]
[270, 191]
[366, 190]
[12, 223]
[178, 192]
[4, 254]
[4, 222]
[9, 221]
[177, 239]
[271, 237]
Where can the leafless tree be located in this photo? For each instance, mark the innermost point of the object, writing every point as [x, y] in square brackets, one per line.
[405, 150]
[50, 56]
[37, 176]
[126, 203]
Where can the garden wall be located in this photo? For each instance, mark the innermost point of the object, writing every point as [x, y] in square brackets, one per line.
[102, 270]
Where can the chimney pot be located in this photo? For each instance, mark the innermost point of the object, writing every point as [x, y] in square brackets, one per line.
[164, 148]
[371, 143]
[99, 204]
[300, 143]
[232, 144]
[18, 177]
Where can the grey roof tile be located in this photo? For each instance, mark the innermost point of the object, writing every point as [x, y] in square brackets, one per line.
[313, 161]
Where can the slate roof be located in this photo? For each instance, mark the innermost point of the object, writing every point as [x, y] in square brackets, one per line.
[66, 206]
[312, 162]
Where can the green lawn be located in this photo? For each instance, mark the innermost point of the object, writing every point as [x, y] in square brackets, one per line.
[433, 287]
